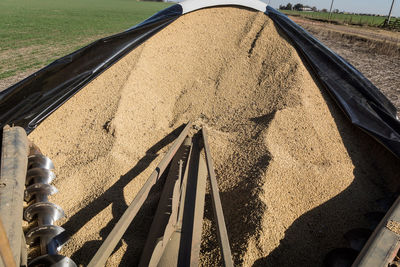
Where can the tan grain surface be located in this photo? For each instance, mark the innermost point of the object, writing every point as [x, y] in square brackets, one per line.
[294, 175]
[393, 226]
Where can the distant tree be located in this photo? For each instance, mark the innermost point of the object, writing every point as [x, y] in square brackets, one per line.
[314, 9]
[298, 6]
[336, 11]
[324, 10]
[287, 7]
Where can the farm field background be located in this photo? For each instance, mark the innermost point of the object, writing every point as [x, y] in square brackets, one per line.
[340, 18]
[373, 51]
[33, 33]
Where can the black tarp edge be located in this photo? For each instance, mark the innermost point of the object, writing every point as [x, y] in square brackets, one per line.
[31, 100]
[363, 103]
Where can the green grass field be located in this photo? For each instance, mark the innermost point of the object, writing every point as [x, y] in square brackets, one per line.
[340, 18]
[35, 32]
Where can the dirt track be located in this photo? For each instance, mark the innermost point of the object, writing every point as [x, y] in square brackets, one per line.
[374, 33]
[383, 69]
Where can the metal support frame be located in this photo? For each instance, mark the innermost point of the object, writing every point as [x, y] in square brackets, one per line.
[383, 245]
[122, 225]
[166, 218]
[14, 158]
[217, 206]
[174, 238]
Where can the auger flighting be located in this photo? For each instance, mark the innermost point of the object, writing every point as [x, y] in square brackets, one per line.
[38, 187]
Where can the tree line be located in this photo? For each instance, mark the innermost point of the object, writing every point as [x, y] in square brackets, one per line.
[301, 7]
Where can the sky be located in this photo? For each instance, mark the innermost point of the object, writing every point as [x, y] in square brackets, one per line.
[359, 6]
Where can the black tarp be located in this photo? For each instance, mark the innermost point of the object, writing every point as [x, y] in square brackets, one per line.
[30, 101]
[360, 100]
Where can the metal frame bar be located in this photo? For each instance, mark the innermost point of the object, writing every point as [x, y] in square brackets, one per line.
[104, 252]
[217, 206]
[383, 245]
[192, 204]
[166, 216]
[101, 256]
[14, 159]
[200, 193]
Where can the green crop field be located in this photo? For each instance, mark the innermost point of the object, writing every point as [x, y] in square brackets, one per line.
[35, 32]
[340, 18]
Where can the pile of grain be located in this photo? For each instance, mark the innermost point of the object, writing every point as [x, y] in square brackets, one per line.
[294, 175]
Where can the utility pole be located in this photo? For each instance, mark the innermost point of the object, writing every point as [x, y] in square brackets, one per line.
[330, 10]
[390, 13]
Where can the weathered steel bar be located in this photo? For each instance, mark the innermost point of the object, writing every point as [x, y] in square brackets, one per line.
[122, 225]
[14, 158]
[200, 185]
[217, 207]
[173, 231]
[165, 218]
[383, 245]
[192, 204]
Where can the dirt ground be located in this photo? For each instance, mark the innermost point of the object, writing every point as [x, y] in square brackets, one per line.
[294, 174]
[375, 33]
[379, 66]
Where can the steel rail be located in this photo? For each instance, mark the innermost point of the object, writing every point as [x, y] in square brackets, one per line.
[217, 207]
[104, 252]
